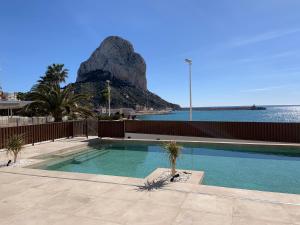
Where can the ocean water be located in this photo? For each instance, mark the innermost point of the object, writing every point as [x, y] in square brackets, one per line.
[225, 166]
[271, 114]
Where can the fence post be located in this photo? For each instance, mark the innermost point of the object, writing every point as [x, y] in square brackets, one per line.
[124, 128]
[53, 126]
[86, 129]
[72, 128]
[98, 127]
[33, 134]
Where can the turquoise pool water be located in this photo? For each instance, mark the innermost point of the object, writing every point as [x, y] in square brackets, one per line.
[237, 167]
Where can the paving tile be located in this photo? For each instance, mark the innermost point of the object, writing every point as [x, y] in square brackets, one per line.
[8, 210]
[64, 202]
[261, 211]
[209, 203]
[7, 178]
[105, 209]
[77, 187]
[125, 192]
[35, 217]
[91, 188]
[164, 197]
[251, 221]
[32, 181]
[8, 190]
[294, 212]
[143, 213]
[184, 187]
[111, 179]
[134, 181]
[53, 197]
[28, 198]
[73, 220]
[57, 185]
[191, 217]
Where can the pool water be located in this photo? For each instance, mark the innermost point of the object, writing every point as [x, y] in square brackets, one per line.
[236, 167]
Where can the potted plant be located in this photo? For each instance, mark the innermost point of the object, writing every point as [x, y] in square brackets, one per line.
[14, 145]
[173, 151]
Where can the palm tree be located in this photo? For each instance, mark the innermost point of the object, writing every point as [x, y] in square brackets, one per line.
[173, 151]
[14, 145]
[55, 74]
[56, 102]
[50, 99]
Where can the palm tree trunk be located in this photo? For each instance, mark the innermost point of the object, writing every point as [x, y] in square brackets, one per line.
[15, 158]
[173, 170]
[57, 117]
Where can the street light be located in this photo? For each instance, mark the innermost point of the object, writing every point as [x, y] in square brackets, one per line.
[108, 88]
[189, 61]
[127, 97]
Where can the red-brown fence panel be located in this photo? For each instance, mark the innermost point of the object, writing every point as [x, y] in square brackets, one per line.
[111, 129]
[278, 132]
[38, 133]
[260, 131]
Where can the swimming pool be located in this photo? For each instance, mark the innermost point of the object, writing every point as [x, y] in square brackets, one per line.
[255, 168]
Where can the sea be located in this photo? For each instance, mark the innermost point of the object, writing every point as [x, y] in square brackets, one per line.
[271, 114]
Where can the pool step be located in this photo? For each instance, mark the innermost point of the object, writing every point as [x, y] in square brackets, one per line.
[88, 156]
[77, 153]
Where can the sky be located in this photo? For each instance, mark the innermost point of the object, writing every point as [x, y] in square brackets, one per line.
[244, 52]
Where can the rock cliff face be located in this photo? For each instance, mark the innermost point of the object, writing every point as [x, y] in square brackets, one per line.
[117, 57]
[116, 60]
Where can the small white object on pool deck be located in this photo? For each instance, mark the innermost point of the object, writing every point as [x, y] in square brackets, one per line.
[19, 163]
[185, 176]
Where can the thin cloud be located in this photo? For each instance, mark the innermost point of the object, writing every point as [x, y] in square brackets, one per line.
[265, 89]
[263, 37]
[269, 57]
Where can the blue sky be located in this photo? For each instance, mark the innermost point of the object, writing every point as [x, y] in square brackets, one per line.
[244, 52]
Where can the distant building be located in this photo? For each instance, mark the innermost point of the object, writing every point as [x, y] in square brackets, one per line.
[140, 108]
[7, 95]
[11, 96]
[8, 101]
[125, 111]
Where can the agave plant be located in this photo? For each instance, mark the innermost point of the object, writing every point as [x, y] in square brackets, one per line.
[173, 150]
[14, 146]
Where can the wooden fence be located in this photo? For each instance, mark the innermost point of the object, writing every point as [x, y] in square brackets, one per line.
[114, 129]
[276, 132]
[44, 132]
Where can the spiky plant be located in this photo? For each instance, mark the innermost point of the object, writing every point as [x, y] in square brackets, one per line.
[14, 145]
[58, 102]
[55, 74]
[173, 150]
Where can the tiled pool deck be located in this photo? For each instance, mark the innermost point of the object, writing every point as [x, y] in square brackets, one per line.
[32, 196]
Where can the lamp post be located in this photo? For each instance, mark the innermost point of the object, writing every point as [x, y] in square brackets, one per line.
[108, 88]
[189, 61]
[127, 97]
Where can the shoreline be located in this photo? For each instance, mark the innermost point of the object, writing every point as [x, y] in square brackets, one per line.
[153, 112]
[233, 108]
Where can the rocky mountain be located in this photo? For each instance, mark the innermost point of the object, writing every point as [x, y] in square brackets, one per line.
[116, 60]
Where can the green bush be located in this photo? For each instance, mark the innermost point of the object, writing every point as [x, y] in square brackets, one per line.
[116, 116]
[14, 145]
[173, 150]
